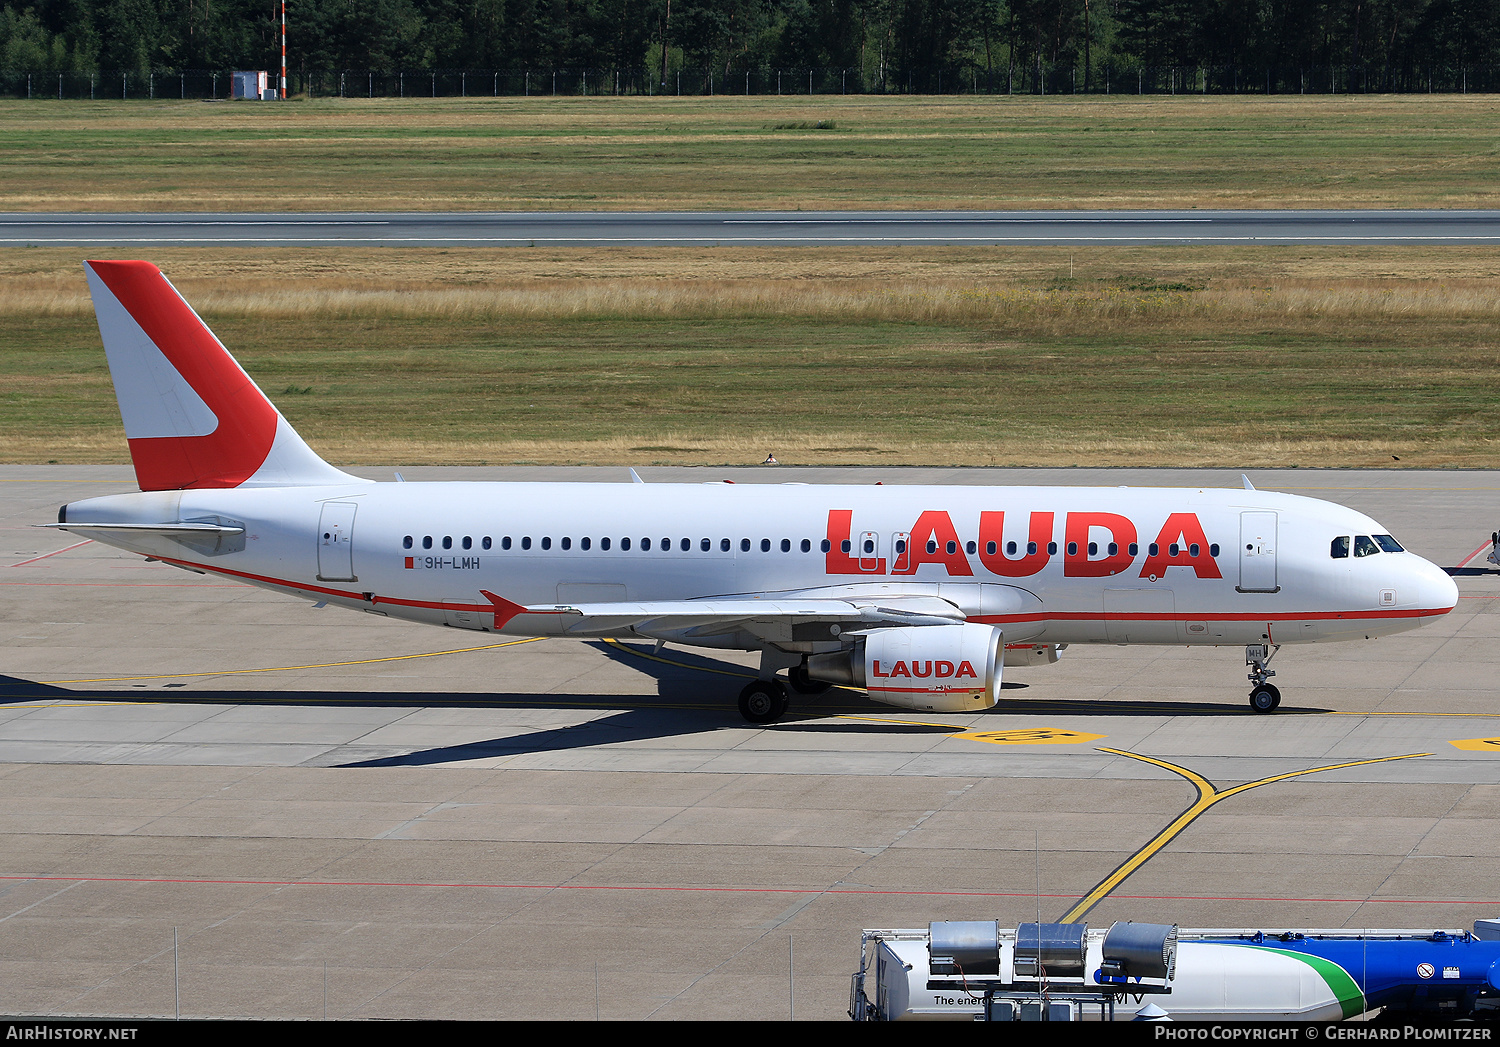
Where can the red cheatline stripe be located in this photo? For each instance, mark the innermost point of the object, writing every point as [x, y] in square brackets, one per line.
[1291, 616]
[54, 552]
[736, 890]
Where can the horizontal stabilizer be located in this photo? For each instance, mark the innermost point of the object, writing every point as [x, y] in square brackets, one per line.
[169, 529]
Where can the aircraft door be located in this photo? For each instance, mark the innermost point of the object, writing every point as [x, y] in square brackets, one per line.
[336, 542]
[869, 552]
[1257, 553]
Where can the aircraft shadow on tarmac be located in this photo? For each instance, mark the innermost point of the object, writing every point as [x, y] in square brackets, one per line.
[693, 695]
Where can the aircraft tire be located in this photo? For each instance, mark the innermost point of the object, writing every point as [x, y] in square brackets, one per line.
[1265, 698]
[763, 701]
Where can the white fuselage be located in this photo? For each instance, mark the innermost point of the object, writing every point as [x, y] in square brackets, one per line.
[1048, 565]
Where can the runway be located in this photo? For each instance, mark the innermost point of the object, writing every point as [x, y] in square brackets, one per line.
[460, 826]
[787, 228]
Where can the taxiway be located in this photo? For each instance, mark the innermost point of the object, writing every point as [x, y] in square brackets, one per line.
[345, 815]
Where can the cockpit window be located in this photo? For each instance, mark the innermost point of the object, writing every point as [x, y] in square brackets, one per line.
[1339, 550]
[1364, 547]
[1388, 543]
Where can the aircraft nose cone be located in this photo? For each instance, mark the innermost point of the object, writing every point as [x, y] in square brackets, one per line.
[1438, 591]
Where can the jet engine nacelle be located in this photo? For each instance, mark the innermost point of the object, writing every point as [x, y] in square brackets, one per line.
[935, 668]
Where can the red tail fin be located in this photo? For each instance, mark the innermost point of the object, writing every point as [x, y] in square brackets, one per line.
[192, 415]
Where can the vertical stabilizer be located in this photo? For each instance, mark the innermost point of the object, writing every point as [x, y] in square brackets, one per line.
[193, 417]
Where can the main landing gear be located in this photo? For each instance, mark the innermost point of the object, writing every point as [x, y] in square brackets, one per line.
[764, 701]
[1264, 697]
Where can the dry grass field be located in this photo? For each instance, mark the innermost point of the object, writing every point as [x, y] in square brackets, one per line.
[1218, 356]
[733, 152]
[1224, 356]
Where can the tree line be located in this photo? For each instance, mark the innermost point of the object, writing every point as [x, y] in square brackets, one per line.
[850, 45]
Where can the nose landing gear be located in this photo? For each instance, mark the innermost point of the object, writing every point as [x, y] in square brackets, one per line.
[1264, 697]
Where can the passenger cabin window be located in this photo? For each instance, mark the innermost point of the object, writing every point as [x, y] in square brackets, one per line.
[505, 542]
[447, 541]
[526, 542]
[1363, 546]
[486, 542]
[468, 542]
[406, 542]
[723, 545]
[546, 543]
[806, 546]
[427, 541]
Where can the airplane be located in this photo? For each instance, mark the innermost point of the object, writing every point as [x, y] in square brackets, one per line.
[919, 595]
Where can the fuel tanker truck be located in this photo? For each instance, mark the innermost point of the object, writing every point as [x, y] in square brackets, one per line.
[976, 970]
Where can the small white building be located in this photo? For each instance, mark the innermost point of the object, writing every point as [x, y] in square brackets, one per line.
[255, 85]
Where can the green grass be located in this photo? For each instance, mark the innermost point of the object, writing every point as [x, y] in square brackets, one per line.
[1224, 356]
[729, 152]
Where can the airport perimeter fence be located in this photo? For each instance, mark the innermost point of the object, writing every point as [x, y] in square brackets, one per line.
[1104, 78]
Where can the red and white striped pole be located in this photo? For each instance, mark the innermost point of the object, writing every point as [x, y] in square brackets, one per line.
[283, 50]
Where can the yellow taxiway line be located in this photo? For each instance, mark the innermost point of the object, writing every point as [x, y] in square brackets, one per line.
[1208, 795]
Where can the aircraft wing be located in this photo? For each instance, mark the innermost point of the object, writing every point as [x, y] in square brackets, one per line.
[769, 618]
